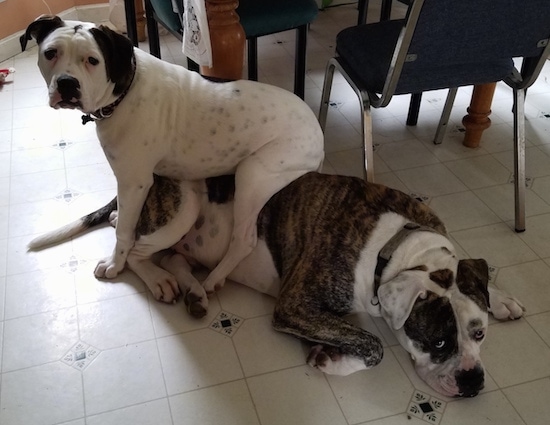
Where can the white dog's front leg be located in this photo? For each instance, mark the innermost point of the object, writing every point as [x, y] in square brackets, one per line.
[131, 198]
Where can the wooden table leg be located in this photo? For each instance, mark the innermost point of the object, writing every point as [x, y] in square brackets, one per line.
[227, 39]
[479, 110]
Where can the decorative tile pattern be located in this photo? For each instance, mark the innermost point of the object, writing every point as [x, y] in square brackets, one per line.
[73, 264]
[492, 273]
[226, 323]
[426, 407]
[68, 195]
[421, 198]
[62, 144]
[528, 181]
[80, 356]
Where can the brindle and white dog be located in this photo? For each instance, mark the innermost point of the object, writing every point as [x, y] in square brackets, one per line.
[155, 117]
[329, 246]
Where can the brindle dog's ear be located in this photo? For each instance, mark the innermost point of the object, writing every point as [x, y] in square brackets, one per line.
[472, 280]
[397, 297]
[40, 28]
[118, 52]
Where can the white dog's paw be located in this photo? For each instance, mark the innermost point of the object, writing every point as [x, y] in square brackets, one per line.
[107, 269]
[504, 306]
[210, 288]
[197, 304]
[164, 287]
[331, 360]
[113, 218]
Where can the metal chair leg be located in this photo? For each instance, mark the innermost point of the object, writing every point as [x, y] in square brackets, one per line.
[300, 61]
[252, 58]
[152, 30]
[368, 149]
[519, 159]
[444, 120]
[414, 108]
[325, 95]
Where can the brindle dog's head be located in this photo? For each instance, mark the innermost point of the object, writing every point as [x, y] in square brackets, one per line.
[85, 67]
[441, 318]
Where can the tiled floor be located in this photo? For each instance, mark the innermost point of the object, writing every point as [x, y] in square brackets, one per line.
[78, 351]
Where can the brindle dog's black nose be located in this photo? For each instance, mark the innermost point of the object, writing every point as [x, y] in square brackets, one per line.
[68, 87]
[470, 382]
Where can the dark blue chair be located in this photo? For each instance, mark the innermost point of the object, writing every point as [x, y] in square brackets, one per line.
[445, 44]
[258, 18]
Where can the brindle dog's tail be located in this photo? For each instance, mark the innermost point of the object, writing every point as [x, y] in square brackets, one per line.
[75, 228]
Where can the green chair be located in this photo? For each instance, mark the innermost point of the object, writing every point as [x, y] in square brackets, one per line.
[257, 17]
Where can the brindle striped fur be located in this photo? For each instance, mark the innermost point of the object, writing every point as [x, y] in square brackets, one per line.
[294, 220]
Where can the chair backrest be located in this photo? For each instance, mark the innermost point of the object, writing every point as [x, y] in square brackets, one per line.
[450, 34]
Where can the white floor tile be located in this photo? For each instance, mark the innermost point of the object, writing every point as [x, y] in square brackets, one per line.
[233, 406]
[43, 395]
[526, 358]
[358, 400]
[198, 359]
[39, 292]
[295, 397]
[155, 412]
[116, 322]
[485, 409]
[527, 282]
[38, 339]
[531, 401]
[123, 377]
[277, 350]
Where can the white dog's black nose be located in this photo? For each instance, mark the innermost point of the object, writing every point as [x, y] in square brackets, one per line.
[68, 87]
[470, 382]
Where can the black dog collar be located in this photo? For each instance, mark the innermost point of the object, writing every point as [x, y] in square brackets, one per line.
[108, 110]
[385, 254]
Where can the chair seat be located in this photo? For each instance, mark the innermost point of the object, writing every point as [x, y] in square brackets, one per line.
[369, 62]
[261, 17]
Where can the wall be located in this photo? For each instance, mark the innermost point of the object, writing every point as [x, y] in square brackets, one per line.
[15, 15]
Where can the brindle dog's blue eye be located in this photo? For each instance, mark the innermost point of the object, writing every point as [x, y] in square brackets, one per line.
[440, 344]
[93, 61]
[50, 54]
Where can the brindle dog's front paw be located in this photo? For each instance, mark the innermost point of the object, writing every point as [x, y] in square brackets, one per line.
[504, 306]
[323, 356]
[107, 268]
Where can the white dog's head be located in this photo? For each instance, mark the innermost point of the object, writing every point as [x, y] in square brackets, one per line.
[85, 67]
[441, 319]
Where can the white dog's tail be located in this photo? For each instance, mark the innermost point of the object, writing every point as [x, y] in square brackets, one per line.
[75, 228]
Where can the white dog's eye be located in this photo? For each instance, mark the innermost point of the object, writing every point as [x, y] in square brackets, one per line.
[440, 344]
[50, 54]
[93, 61]
[479, 335]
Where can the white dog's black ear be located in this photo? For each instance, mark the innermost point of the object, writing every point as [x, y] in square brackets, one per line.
[118, 52]
[40, 29]
[397, 297]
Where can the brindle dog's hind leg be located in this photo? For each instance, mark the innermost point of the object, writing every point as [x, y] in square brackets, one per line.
[341, 348]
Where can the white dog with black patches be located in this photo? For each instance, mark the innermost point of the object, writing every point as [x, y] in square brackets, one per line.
[155, 117]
